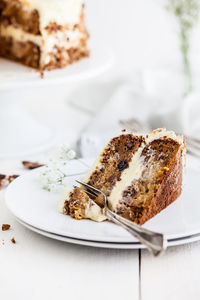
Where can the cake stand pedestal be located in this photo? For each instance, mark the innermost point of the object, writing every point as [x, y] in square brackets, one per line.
[21, 134]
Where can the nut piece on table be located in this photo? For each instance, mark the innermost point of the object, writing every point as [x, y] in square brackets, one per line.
[31, 165]
[13, 240]
[12, 177]
[3, 180]
[5, 227]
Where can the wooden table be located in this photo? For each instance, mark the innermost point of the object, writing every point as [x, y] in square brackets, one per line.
[40, 268]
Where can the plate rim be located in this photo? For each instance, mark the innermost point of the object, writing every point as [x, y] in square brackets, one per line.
[84, 236]
[98, 244]
[61, 76]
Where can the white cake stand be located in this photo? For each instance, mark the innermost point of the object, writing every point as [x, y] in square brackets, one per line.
[20, 133]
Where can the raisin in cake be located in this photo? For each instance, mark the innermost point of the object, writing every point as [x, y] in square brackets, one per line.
[44, 34]
[140, 175]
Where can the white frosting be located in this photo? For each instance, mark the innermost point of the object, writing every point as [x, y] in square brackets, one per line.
[96, 165]
[94, 212]
[65, 197]
[133, 172]
[60, 11]
[46, 42]
[162, 132]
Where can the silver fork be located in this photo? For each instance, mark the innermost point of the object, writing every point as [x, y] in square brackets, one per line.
[193, 144]
[154, 241]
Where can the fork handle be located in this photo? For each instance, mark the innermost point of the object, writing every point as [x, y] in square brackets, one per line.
[154, 241]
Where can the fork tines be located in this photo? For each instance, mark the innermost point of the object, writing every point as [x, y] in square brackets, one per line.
[90, 188]
[100, 198]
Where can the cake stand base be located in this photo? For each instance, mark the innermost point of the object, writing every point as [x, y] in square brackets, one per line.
[20, 133]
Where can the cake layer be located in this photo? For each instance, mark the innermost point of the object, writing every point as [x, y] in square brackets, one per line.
[27, 53]
[57, 48]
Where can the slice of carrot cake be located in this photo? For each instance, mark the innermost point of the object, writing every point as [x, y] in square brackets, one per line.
[43, 34]
[140, 175]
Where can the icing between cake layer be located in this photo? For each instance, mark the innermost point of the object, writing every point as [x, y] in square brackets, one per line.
[47, 42]
[94, 212]
[133, 172]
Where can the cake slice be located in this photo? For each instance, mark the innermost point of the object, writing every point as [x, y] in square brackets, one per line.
[140, 175]
[43, 34]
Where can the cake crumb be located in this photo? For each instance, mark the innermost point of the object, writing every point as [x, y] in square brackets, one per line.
[3, 179]
[12, 177]
[41, 74]
[5, 227]
[13, 240]
[31, 165]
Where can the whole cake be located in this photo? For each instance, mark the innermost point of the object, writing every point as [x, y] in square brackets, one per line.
[43, 34]
[140, 175]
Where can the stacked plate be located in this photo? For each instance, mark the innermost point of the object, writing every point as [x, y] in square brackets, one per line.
[37, 209]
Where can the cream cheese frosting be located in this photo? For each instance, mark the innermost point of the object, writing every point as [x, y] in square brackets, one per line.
[61, 12]
[66, 39]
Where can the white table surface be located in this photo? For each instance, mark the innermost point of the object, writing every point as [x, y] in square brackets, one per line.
[40, 268]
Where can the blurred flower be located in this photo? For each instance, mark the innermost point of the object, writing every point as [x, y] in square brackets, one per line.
[186, 13]
[66, 153]
[53, 174]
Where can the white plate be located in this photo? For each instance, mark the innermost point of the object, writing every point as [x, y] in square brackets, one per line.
[134, 245]
[38, 208]
[16, 76]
